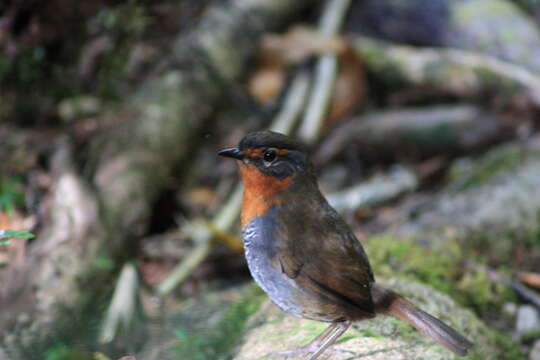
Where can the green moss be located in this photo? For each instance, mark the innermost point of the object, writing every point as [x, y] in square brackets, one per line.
[440, 135]
[309, 330]
[530, 336]
[68, 339]
[476, 290]
[405, 330]
[369, 333]
[468, 174]
[534, 240]
[509, 349]
[390, 256]
[439, 268]
[470, 11]
[216, 343]
[379, 64]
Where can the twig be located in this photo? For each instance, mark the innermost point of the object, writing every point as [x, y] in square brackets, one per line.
[521, 290]
[293, 104]
[457, 72]
[378, 190]
[431, 130]
[325, 73]
[225, 237]
[170, 245]
[122, 309]
[201, 236]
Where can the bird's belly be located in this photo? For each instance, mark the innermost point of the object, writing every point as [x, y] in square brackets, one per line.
[260, 251]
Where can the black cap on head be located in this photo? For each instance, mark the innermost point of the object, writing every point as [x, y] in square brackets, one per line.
[269, 138]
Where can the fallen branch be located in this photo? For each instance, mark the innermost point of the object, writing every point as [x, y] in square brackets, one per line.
[460, 73]
[121, 312]
[325, 73]
[376, 191]
[432, 130]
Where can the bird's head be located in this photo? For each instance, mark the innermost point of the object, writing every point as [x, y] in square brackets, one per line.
[270, 163]
[269, 154]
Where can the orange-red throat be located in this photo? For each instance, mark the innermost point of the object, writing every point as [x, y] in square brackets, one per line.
[260, 191]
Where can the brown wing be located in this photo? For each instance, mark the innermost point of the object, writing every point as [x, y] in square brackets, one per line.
[318, 250]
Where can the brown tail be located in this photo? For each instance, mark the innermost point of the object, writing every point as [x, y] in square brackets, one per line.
[387, 301]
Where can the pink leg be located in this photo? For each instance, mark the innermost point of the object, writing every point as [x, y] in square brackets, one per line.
[320, 343]
[331, 339]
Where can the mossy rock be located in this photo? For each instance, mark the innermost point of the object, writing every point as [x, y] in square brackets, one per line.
[440, 267]
[271, 330]
[491, 204]
[495, 27]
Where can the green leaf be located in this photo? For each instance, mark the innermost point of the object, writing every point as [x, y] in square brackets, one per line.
[22, 234]
[104, 262]
[11, 194]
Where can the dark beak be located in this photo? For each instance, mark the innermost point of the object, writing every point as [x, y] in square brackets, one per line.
[232, 153]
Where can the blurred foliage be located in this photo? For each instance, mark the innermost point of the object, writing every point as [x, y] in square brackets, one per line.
[104, 262]
[477, 291]
[217, 342]
[124, 24]
[6, 234]
[62, 352]
[23, 234]
[87, 49]
[509, 347]
[528, 4]
[469, 173]
[11, 193]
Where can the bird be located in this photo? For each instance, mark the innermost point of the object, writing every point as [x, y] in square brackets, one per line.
[303, 254]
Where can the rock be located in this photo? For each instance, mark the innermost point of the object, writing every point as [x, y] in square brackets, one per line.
[535, 351]
[494, 206]
[495, 27]
[527, 320]
[271, 330]
[415, 22]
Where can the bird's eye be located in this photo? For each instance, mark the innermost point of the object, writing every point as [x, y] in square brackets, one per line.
[269, 155]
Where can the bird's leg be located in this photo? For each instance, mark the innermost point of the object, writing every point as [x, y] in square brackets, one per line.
[320, 343]
[331, 339]
[316, 343]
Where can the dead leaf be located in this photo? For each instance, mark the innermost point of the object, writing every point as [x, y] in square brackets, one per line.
[277, 52]
[529, 278]
[349, 88]
[299, 44]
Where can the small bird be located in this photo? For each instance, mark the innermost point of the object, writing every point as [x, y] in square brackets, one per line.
[303, 254]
